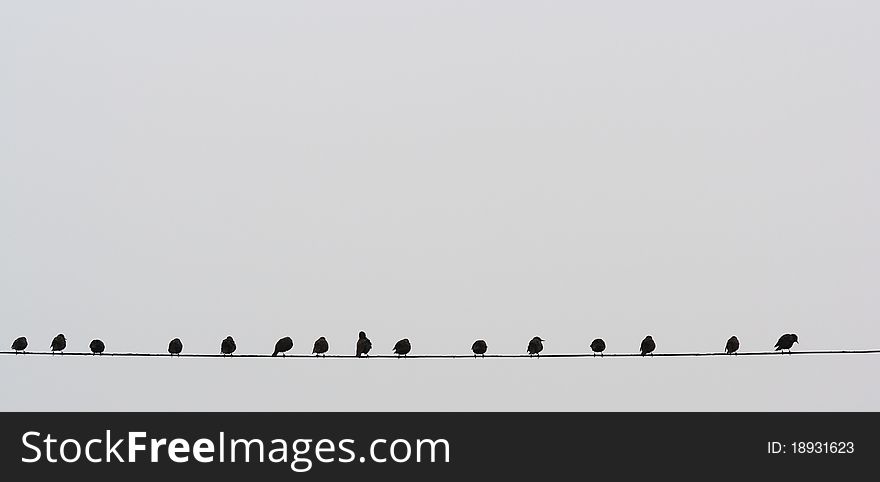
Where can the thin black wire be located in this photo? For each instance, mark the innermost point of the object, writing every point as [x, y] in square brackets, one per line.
[549, 355]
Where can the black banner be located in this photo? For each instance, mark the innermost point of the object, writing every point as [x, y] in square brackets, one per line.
[437, 446]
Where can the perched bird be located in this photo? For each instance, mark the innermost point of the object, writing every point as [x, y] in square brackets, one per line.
[402, 347]
[363, 344]
[227, 346]
[59, 343]
[535, 346]
[283, 345]
[598, 346]
[19, 344]
[97, 347]
[786, 341]
[479, 348]
[175, 347]
[732, 345]
[648, 345]
[321, 346]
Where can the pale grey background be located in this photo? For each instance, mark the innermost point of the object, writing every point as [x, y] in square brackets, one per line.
[442, 171]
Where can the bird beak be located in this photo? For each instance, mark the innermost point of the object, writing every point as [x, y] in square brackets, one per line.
[797, 342]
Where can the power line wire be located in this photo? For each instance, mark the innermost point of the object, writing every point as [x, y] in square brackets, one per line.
[441, 356]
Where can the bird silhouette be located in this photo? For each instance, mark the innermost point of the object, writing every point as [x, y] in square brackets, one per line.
[402, 347]
[535, 346]
[321, 347]
[598, 346]
[283, 345]
[19, 344]
[363, 345]
[648, 346]
[97, 347]
[786, 341]
[175, 346]
[227, 346]
[479, 348]
[59, 343]
[732, 345]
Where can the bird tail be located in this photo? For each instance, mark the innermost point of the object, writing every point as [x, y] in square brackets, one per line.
[275, 353]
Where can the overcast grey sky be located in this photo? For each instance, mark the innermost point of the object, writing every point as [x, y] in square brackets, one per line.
[442, 171]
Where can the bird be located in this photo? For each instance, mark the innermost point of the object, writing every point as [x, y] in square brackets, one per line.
[321, 347]
[648, 345]
[97, 347]
[227, 346]
[402, 347]
[175, 347]
[59, 343]
[598, 346]
[283, 345]
[479, 348]
[535, 346]
[786, 341]
[363, 344]
[19, 344]
[732, 346]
